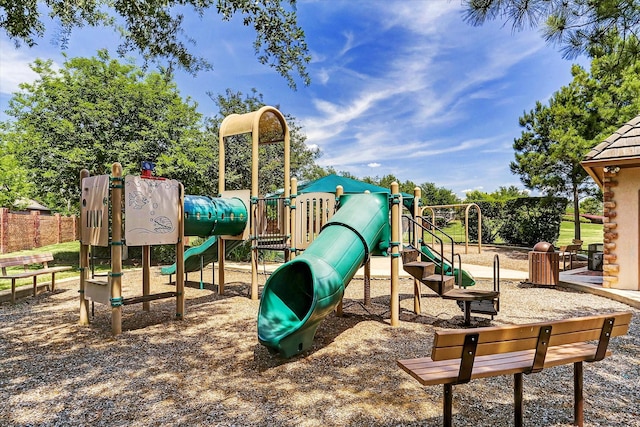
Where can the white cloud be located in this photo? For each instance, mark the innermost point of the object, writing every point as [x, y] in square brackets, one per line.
[14, 68]
[374, 165]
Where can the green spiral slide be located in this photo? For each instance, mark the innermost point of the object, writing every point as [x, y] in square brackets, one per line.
[303, 291]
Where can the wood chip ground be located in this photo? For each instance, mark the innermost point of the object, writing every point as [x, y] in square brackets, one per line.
[210, 370]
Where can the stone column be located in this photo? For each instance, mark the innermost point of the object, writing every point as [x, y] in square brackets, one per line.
[610, 268]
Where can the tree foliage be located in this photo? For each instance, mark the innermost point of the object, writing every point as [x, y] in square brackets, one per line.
[522, 221]
[434, 195]
[502, 194]
[577, 117]
[89, 114]
[576, 26]
[155, 28]
[13, 178]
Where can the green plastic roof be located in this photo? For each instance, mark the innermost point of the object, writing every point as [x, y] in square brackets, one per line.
[328, 184]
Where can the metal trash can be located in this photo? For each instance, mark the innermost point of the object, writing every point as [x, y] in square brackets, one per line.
[595, 257]
[544, 265]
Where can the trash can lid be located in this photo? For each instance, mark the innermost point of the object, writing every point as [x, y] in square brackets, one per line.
[544, 247]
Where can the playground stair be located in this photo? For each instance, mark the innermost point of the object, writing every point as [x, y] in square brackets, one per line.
[424, 271]
[470, 301]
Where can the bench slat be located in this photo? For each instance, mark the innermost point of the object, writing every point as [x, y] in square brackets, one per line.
[31, 273]
[11, 261]
[429, 372]
[449, 344]
[453, 337]
[455, 352]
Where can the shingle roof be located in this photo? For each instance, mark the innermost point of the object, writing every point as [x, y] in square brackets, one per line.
[621, 148]
[623, 144]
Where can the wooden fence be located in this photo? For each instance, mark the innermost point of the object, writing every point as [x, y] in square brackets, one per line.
[29, 230]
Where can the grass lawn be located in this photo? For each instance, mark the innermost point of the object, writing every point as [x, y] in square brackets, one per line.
[589, 233]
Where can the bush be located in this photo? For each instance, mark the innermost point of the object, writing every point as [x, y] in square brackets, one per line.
[521, 222]
[490, 215]
[530, 220]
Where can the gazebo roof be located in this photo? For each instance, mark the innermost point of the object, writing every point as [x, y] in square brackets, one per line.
[622, 149]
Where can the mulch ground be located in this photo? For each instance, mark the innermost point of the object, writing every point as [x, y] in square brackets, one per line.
[209, 368]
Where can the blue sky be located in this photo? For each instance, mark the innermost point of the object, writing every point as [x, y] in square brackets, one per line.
[400, 87]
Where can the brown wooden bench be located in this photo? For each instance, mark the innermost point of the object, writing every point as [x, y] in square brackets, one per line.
[26, 261]
[570, 252]
[459, 356]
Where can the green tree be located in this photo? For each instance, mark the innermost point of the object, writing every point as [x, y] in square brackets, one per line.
[577, 26]
[502, 194]
[91, 113]
[238, 152]
[13, 178]
[154, 28]
[591, 205]
[434, 195]
[579, 116]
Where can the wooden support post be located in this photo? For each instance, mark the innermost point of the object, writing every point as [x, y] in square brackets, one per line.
[292, 208]
[180, 258]
[117, 185]
[146, 275]
[395, 254]
[255, 194]
[221, 249]
[84, 266]
[417, 298]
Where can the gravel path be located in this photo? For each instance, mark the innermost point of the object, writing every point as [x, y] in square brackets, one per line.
[209, 369]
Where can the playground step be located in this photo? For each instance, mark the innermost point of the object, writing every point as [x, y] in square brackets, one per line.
[482, 307]
[439, 284]
[479, 301]
[98, 282]
[419, 269]
[410, 255]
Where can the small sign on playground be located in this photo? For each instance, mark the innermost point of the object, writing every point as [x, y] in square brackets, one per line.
[151, 211]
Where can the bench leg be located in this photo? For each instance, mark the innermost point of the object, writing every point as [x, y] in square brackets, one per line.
[13, 291]
[517, 400]
[467, 313]
[447, 409]
[578, 398]
[53, 282]
[35, 285]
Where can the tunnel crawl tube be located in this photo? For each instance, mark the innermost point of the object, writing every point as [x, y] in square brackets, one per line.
[302, 292]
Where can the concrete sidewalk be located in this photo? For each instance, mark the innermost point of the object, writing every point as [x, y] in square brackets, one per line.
[576, 279]
[381, 267]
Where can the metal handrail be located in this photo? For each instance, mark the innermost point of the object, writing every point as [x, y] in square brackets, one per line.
[440, 241]
[459, 276]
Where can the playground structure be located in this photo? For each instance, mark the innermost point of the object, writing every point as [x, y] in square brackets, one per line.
[303, 291]
[155, 213]
[155, 217]
[325, 238]
[450, 215]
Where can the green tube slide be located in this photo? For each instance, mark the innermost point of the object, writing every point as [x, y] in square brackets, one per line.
[214, 216]
[210, 217]
[303, 291]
